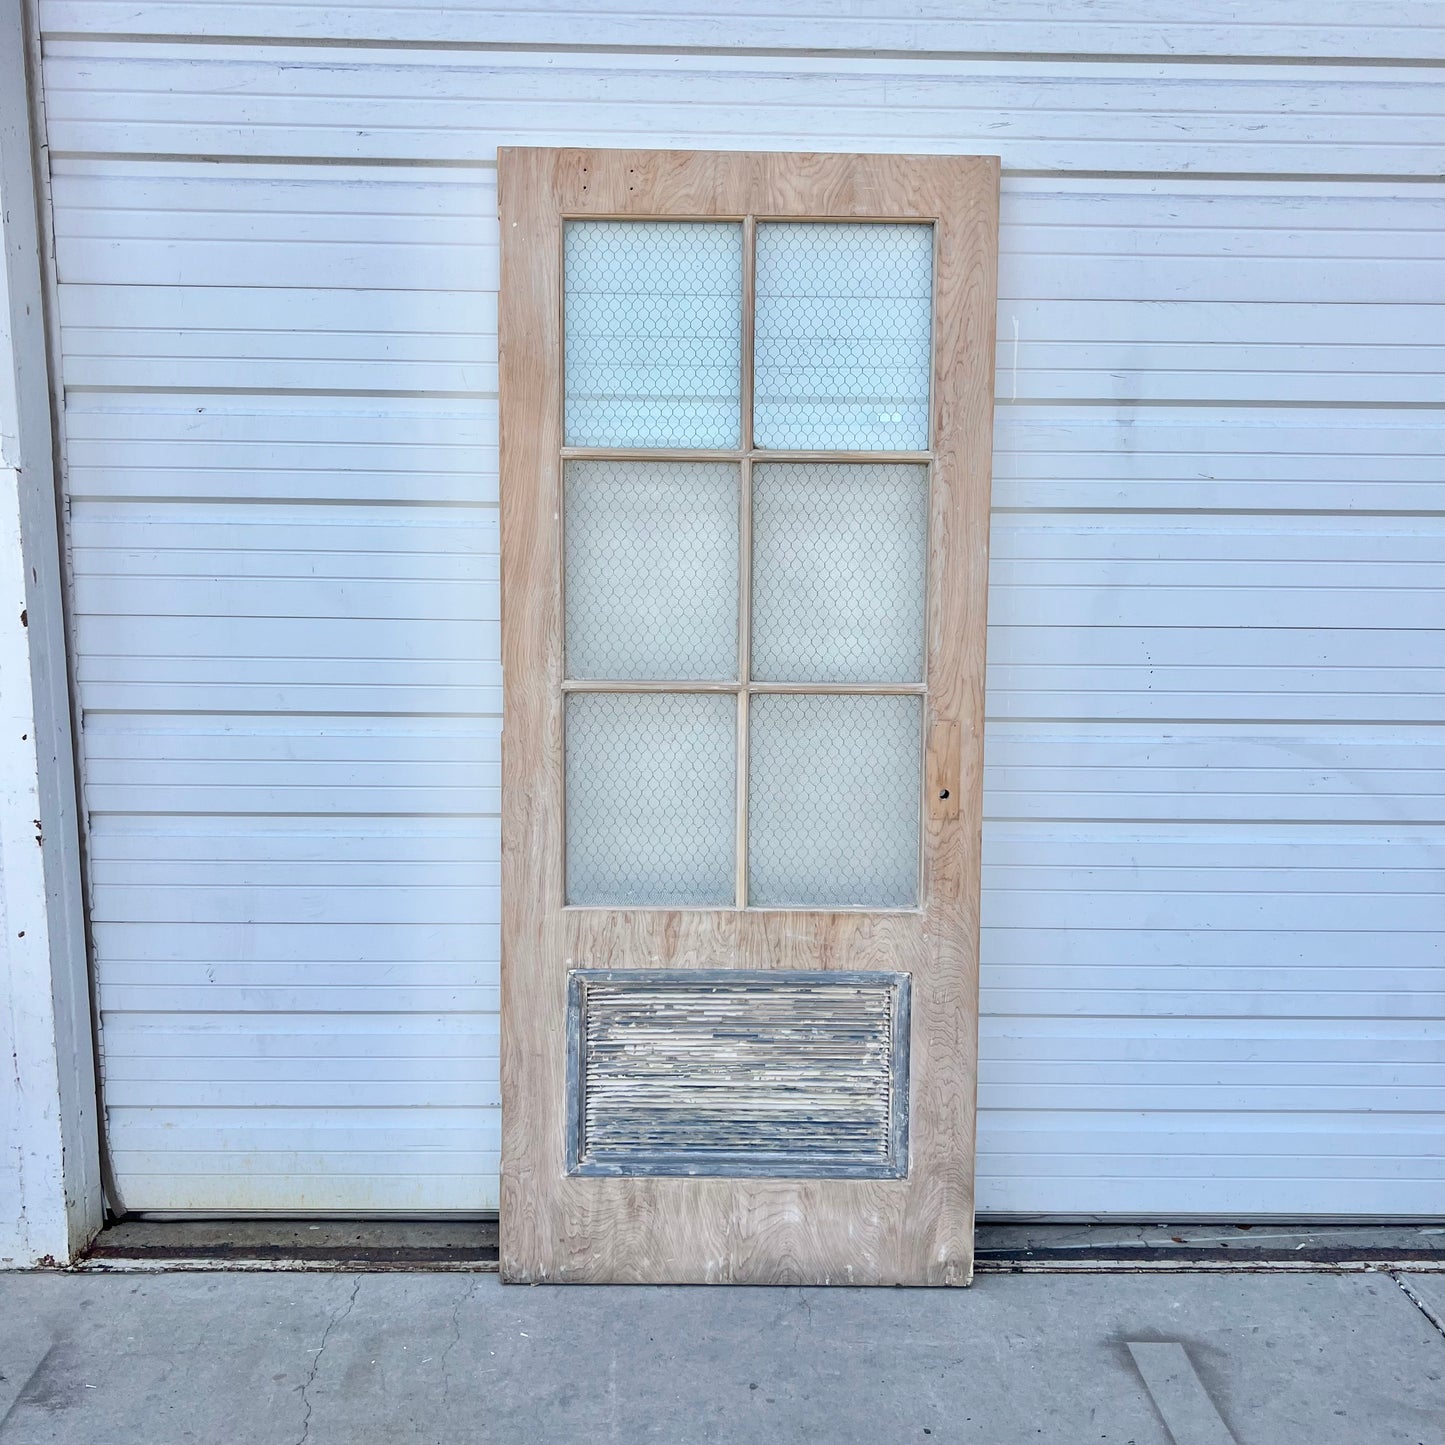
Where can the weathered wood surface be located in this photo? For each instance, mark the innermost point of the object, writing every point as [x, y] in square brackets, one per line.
[555, 1227]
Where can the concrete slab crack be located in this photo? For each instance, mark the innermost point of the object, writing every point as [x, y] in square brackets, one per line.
[310, 1379]
[802, 1315]
[462, 1301]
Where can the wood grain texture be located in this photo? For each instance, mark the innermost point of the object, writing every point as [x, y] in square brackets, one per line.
[945, 768]
[916, 1230]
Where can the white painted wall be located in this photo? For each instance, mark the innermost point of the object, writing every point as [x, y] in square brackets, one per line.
[24, 964]
[32, 1216]
[50, 1196]
[1213, 903]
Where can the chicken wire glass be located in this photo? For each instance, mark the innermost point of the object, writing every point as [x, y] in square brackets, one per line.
[840, 553]
[652, 333]
[652, 570]
[843, 336]
[833, 800]
[651, 799]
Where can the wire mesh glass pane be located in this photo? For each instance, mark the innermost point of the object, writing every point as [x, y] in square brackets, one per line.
[833, 801]
[653, 333]
[844, 323]
[652, 570]
[651, 799]
[840, 558]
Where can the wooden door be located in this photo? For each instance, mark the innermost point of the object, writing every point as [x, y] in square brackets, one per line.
[746, 407]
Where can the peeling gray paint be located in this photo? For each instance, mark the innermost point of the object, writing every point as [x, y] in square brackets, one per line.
[736, 1073]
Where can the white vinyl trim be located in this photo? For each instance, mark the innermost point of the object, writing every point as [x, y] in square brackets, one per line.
[50, 1191]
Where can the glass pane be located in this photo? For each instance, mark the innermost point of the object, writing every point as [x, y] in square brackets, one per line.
[653, 333]
[839, 562]
[651, 798]
[652, 570]
[844, 320]
[833, 799]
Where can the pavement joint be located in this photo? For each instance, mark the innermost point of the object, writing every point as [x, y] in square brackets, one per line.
[1419, 1303]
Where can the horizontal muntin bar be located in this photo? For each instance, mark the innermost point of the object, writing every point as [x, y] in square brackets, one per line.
[756, 454]
[843, 689]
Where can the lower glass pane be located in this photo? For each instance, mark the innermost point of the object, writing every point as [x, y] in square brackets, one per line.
[651, 799]
[833, 801]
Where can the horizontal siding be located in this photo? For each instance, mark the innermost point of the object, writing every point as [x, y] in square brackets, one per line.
[372, 104]
[1083, 299]
[1113, 457]
[1212, 921]
[1293, 29]
[389, 1101]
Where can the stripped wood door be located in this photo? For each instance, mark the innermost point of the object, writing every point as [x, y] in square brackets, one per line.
[745, 439]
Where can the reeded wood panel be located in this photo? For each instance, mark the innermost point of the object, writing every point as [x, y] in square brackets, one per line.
[728, 1073]
[916, 1229]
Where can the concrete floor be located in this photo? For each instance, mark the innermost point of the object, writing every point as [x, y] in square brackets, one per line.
[1031, 1359]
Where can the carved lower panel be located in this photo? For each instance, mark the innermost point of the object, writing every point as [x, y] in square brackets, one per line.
[733, 1073]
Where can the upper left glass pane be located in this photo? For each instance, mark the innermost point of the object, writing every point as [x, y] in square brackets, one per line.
[652, 333]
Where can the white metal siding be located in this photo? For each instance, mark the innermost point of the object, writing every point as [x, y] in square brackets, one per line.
[1211, 972]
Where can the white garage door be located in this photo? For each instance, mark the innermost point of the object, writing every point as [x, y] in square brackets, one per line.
[1211, 969]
